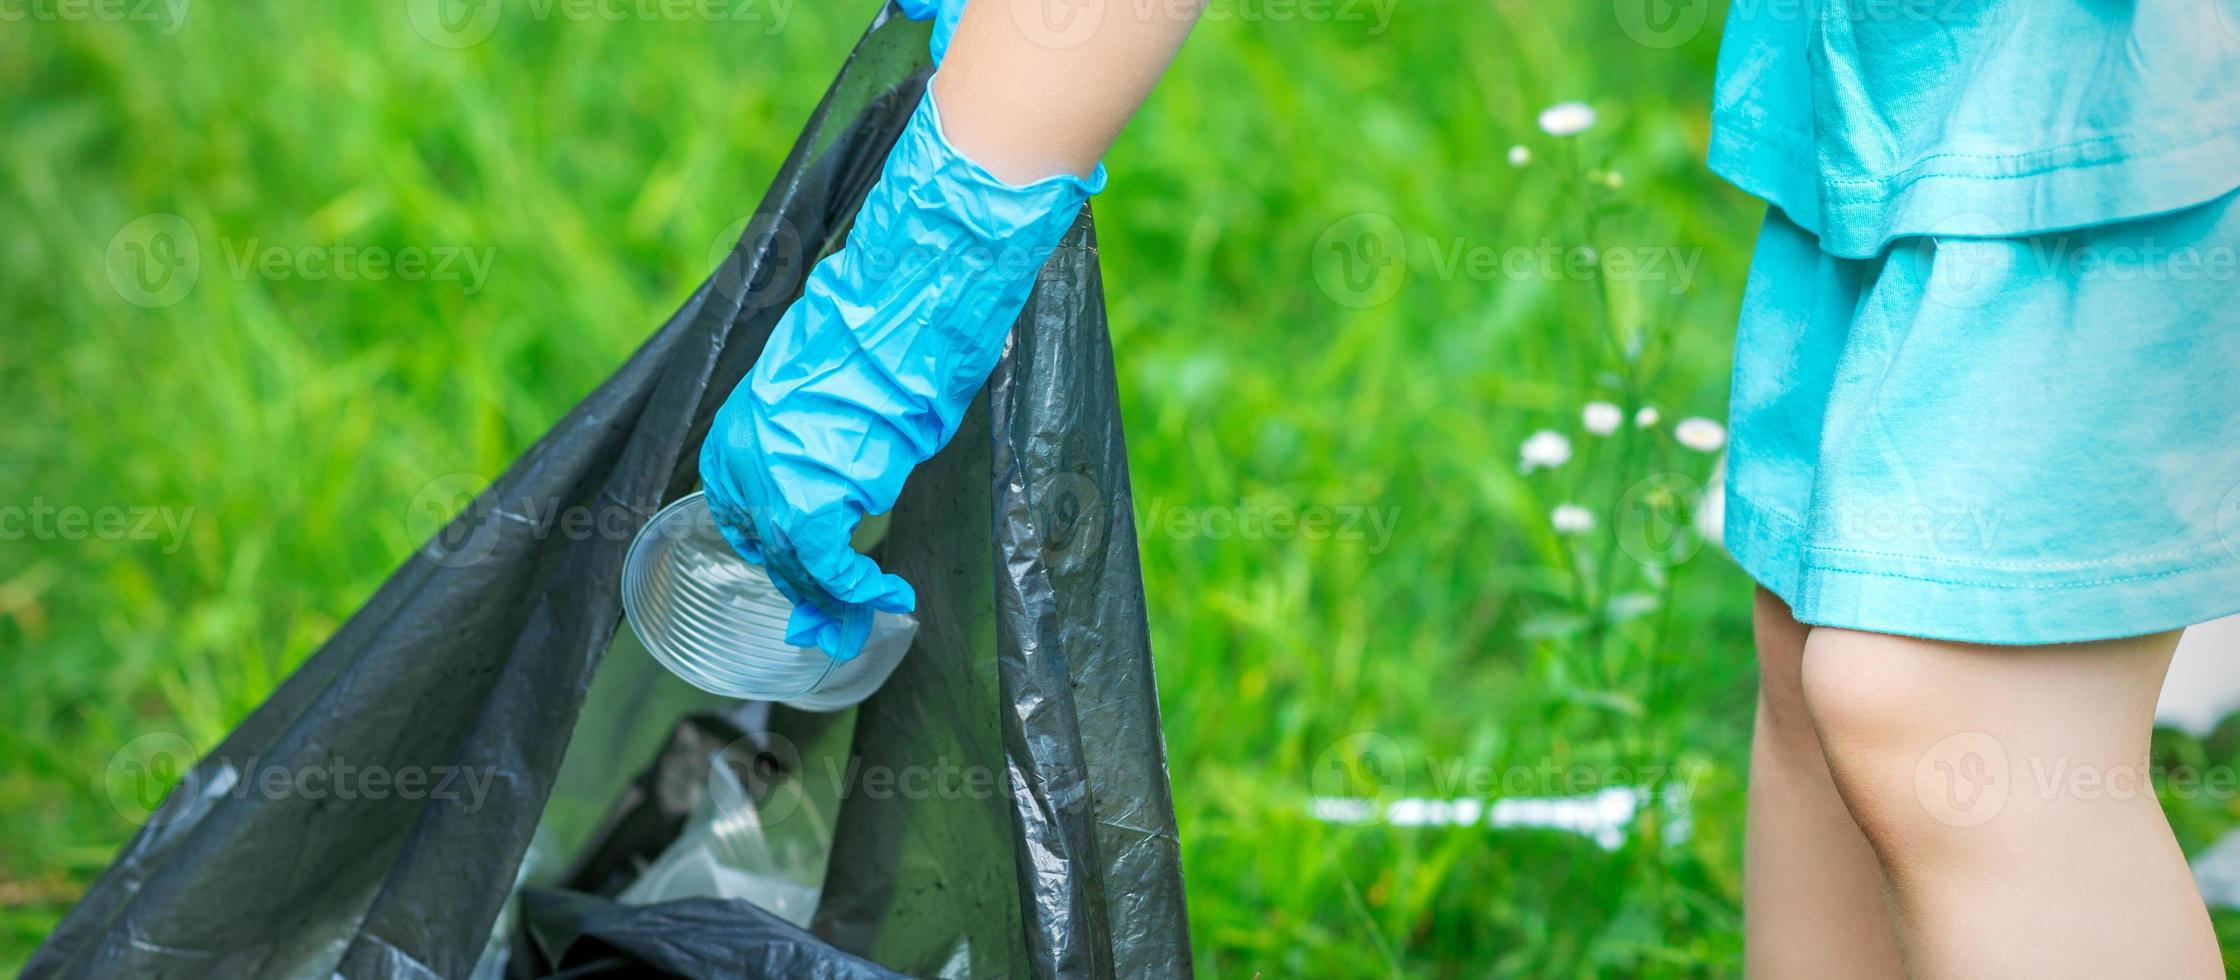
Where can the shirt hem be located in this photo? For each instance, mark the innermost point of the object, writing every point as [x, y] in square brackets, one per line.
[2003, 607]
[2077, 185]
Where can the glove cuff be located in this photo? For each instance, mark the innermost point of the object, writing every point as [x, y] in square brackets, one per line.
[872, 371]
[1057, 189]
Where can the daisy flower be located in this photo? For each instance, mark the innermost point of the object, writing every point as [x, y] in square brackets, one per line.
[1572, 519]
[1700, 434]
[1545, 449]
[1566, 119]
[1601, 418]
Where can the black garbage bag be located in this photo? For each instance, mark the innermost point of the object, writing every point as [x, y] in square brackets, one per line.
[462, 679]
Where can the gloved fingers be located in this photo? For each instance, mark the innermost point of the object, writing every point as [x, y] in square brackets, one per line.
[822, 560]
[789, 572]
[834, 589]
[764, 542]
[853, 578]
[841, 637]
[741, 540]
[818, 618]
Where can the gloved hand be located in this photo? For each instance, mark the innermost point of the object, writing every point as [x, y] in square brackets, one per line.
[870, 372]
[944, 14]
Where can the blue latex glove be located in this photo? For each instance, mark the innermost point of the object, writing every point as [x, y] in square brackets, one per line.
[870, 372]
[944, 14]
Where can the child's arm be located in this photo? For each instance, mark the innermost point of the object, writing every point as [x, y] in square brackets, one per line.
[870, 372]
[1032, 88]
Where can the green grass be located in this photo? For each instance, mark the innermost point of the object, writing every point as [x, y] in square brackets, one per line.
[600, 164]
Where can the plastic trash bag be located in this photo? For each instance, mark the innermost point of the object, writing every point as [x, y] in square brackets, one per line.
[471, 666]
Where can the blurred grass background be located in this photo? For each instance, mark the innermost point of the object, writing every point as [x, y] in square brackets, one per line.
[289, 422]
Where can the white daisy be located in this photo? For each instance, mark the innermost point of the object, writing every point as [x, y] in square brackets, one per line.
[1519, 155]
[1646, 418]
[1545, 449]
[1602, 418]
[1567, 118]
[1572, 519]
[1700, 434]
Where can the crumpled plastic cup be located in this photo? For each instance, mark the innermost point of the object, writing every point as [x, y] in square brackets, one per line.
[715, 621]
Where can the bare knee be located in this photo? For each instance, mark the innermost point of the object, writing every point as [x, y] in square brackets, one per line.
[1935, 746]
[1862, 700]
[1917, 764]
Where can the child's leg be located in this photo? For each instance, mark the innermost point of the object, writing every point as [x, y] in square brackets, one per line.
[1812, 895]
[2005, 792]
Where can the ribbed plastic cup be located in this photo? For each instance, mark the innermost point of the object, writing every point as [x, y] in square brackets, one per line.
[716, 621]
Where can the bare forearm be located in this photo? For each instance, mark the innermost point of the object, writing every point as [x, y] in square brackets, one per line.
[1033, 88]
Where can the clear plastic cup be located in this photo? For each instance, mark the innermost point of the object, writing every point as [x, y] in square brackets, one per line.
[716, 621]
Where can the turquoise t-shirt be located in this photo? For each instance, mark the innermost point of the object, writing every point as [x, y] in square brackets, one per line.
[1871, 120]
